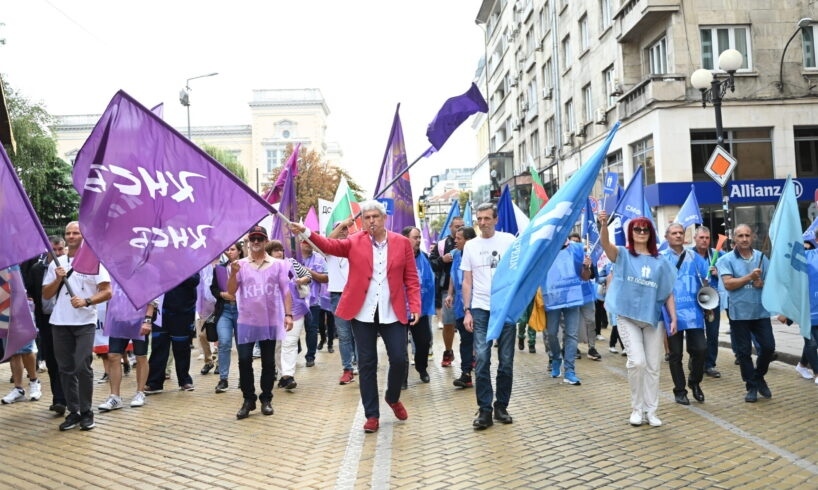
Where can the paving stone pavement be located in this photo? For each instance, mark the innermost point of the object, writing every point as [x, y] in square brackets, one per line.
[562, 437]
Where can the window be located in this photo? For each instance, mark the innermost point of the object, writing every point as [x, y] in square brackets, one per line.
[547, 74]
[530, 42]
[545, 18]
[584, 34]
[532, 96]
[717, 39]
[657, 57]
[588, 101]
[535, 147]
[806, 151]
[550, 141]
[606, 13]
[551, 179]
[569, 116]
[642, 152]
[613, 163]
[608, 77]
[274, 156]
[753, 148]
[808, 40]
[567, 54]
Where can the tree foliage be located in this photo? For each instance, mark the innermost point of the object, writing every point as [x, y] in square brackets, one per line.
[229, 160]
[44, 175]
[316, 179]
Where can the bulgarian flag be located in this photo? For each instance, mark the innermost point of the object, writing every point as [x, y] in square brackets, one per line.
[538, 196]
[344, 206]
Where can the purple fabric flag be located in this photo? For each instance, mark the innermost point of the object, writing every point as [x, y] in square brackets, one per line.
[16, 320]
[395, 164]
[122, 319]
[159, 110]
[453, 113]
[287, 206]
[85, 261]
[274, 193]
[311, 221]
[425, 238]
[151, 200]
[21, 234]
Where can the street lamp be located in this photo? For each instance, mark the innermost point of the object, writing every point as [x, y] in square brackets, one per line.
[714, 89]
[184, 96]
[799, 27]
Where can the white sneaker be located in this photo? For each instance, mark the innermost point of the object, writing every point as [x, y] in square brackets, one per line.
[805, 372]
[41, 367]
[612, 349]
[653, 420]
[138, 400]
[600, 337]
[636, 418]
[112, 403]
[15, 395]
[34, 390]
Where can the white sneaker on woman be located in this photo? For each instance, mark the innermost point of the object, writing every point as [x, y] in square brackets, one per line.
[636, 418]
[653, 420]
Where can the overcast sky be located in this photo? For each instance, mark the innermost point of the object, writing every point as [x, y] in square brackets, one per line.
[364, 55]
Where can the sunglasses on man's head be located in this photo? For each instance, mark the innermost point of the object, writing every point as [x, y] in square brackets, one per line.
[639, 229]
[256, 239]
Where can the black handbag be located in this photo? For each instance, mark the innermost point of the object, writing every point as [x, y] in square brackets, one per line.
[209, 327]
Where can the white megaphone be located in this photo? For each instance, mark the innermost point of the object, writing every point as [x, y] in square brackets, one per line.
[708, 298]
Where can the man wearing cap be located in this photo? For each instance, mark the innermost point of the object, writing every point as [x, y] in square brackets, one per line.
[260, 284]
[382, 298]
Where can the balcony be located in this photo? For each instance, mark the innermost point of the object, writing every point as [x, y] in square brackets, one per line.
[655, 88]
[637, 16]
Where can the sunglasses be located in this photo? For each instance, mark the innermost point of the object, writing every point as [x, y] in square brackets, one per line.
[639, 229]
[256, 239]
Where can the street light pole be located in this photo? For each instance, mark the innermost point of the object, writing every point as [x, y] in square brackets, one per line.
[184, 96]
[714, 89]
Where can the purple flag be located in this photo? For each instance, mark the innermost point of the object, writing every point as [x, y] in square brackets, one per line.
[85, 262]
[156, 208]
[274, 193]
[16, 320]
[453, 113]
[159, 110]
[21, 234]
[287, 206]
[311, 221]
[122, 319]
[426, 239]
[400, 193]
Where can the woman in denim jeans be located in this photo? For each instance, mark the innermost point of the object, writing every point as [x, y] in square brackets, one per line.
[226, 312]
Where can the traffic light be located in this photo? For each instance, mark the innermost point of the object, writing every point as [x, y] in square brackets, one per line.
[421, 209]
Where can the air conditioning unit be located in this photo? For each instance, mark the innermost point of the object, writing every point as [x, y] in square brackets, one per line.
[580, 130]
[550, 150]
[600, 116]
[513, 81]
[616, 88]
[523, 106]
[516, 124]
[547, 93]
[567, 138]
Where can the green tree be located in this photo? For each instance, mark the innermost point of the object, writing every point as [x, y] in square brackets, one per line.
[45, 177]
[229, 160]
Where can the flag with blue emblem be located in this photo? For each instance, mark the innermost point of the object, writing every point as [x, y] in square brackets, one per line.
[788, 264]
[590, 230]
[632, 203]
[520, 270]
[690, 214]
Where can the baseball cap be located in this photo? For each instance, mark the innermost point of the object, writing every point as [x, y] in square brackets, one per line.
[258, 231]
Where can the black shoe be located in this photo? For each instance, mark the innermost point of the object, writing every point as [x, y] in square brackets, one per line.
[532, 349]
[464, 381]
[593, 354]
[764, 390]
[222, 386]
[87, 420]
[58, 408]
[501, 415]
[712, 373]
[698, 394]
[424, 376]
[681, 399]
[483, 420]
[71, 421]
[206, 368]
[330, 349]
[310, 363]
[246, 407]
[667, 357]
[521, 344]
[751, 396]
[736, 362]
[321, 344]
[267, 408]
[404, 386]
[287, 382]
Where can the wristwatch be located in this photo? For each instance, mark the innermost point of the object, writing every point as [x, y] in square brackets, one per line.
[88, 302]
[468, 308]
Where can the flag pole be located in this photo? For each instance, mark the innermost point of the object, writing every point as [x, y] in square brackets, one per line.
[288, 222]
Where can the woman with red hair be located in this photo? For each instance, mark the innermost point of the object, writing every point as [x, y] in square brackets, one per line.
[642, 283]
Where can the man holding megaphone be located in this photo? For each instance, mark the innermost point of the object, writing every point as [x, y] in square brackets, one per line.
[691, 271]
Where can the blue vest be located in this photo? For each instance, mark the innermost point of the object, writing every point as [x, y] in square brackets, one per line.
[563, 285]
[744, 303]
[688, 282]
[640, 286]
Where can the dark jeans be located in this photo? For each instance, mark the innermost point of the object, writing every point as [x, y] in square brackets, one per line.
[711, 331]
[329, 320]
[395, 337]
[466, 347]
[311, 326]
[696, 349]
[421, 335]
[600, 316]
[47, 351]
[505, 365]
[247, 380]
[615, 337]
[762, 330]
[810, 353]
[175, 331]
[73, 345]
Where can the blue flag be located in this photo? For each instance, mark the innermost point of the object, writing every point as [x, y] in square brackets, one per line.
[632, 203]
[454, 212]
[611, 183]
[467, 219]
[788, 264]
[520, 270]
[590, 230]
[690, 214]
[506, 219]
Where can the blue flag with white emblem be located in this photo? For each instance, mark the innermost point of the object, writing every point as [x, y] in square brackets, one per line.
[520, 270]
[632, 203]
[689, 213]
[788, 264]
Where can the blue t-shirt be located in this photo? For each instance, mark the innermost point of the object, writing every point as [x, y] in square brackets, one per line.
[689, 277]
[640, 286]
[744, 303]
[562, 287]
[812, 270]
[457, 281]
[426, 277]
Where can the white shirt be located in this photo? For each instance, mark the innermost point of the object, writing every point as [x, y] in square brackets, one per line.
[377, 294]
[82, 285]
[338, 271]
[481, 256]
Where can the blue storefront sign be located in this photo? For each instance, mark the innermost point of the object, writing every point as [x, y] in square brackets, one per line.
[739, 191]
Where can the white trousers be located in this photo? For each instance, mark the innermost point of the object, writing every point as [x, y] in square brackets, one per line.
[645, 346]
[289, 348]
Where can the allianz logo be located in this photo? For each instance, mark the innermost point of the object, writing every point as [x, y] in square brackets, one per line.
[753, 190]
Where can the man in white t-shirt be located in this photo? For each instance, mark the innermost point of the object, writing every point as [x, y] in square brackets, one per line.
[480, 259]
[73, 322]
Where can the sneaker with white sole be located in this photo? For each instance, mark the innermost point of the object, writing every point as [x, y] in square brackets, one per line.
[15, 395]
[653, 420]
[138, 400]
[636, 418]
[103, 379]
[613, 350]
[804, 371]
[571, 378]
[113, 402]
[34, 390]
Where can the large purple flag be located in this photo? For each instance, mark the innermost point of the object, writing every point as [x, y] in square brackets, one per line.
[395, 164]
[16, 320]
[453, 113]
[287, 206]
[21, 234]
[274, 193]
[156, 208]
[122, 319]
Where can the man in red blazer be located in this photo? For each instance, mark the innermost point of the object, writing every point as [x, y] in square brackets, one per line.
[381, 297]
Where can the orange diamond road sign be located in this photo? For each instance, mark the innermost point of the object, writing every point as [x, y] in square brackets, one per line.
[720, 166]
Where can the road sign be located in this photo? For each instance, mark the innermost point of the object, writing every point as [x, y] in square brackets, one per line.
[720, 165]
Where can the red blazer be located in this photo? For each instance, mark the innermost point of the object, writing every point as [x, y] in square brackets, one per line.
[401, 272]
